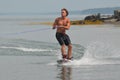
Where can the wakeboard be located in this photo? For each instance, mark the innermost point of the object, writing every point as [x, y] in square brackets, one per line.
[63, 61]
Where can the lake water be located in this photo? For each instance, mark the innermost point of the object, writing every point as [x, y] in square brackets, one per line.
[29, 52]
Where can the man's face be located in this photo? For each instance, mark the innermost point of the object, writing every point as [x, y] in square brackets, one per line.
[63, 13]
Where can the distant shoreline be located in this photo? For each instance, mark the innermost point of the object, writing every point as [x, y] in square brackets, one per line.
[77, 22]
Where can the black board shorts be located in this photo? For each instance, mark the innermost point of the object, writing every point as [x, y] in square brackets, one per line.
[63, 38]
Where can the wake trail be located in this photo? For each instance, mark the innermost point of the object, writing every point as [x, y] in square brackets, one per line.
[26, 49]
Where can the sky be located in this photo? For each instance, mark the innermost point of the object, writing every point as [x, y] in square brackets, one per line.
[41, 6]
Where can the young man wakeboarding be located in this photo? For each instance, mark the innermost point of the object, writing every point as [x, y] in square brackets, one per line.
[62, 24]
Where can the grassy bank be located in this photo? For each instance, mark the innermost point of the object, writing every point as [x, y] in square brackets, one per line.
[76, 22]
[85, 22]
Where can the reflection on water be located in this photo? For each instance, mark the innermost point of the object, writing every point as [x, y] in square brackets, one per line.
[65, 73]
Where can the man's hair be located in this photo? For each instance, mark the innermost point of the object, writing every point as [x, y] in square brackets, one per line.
[67, 13]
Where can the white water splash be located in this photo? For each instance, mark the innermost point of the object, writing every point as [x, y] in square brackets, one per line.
[102, 50]
[98, 53]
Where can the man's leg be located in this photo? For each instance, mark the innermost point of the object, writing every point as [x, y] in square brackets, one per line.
[69, 51]
[63, 51]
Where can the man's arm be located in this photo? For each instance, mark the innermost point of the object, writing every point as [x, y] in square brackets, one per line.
[68, 24]
[55, 23]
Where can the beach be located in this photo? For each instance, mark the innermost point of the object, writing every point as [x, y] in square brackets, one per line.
[30, 52]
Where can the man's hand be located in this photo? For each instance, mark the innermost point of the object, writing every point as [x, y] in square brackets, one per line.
[54, 27]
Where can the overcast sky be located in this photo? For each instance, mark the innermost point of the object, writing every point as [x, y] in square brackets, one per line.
[37, 6]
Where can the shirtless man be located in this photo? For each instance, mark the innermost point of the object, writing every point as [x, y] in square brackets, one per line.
[62, 24]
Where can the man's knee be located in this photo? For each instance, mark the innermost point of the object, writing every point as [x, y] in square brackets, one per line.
[70, 46]
[63, 46]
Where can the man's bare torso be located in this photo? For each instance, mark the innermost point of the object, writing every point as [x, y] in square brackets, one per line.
[62, 22]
